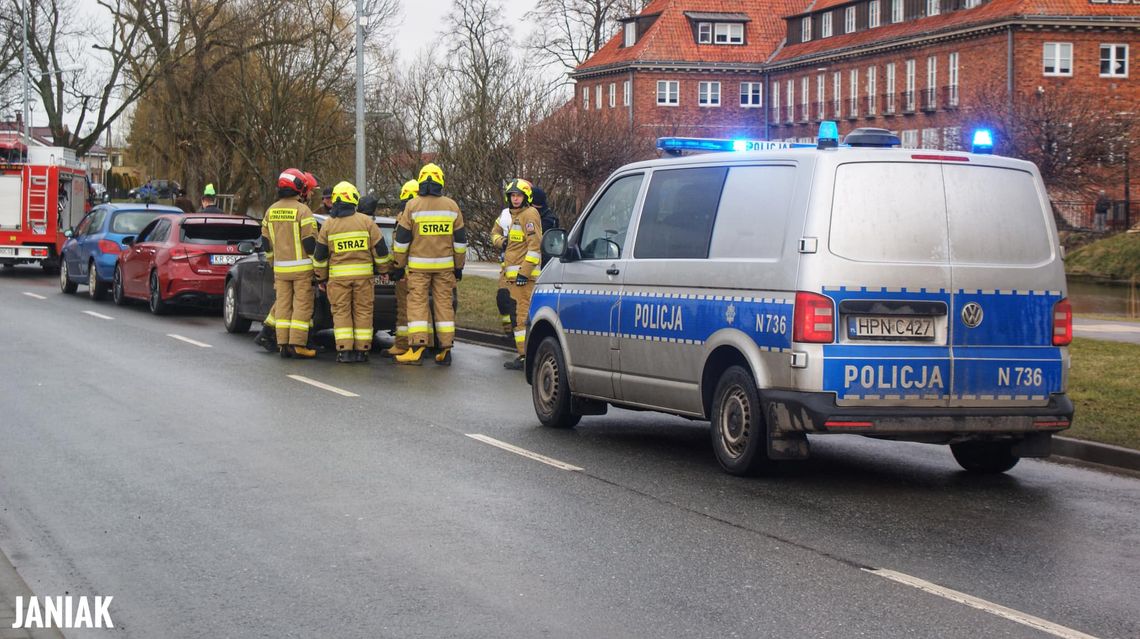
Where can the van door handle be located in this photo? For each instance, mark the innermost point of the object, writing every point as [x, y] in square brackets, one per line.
[613, 270]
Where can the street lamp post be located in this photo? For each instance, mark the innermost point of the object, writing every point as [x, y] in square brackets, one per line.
[360, 97]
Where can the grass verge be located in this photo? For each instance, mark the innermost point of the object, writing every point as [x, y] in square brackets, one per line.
[477, 308]
[1116, 258]
[1104, 383]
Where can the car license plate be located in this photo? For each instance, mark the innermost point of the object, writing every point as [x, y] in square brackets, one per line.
[224, 259]
[903, 327]
[7, 251]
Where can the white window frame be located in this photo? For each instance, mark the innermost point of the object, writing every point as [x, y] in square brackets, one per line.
[825, 25]
[672, 89]
[952, 72]
[872, 90]
[1112, 48]
[892, 97]
[896, 11]
[728, 33]
[970, 4]
[585, 98]
[746, 95]
[933, 7]
[1056, 57]
[790, 116]
[932, 78]
[908, 139]
[837, 94]
[776, 101]
[849, 20]
[613, 94]
[704, 33]
[629, 33]
[908, 104]
[708, 94]
[805, 29]
[873, 14]
[805, 98]
[598, 97]
[952, 138]
[821, 96]
[627, 93]
[853, 105]
[931, 138]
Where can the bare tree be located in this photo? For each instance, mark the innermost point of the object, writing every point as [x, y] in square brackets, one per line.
[570, 31]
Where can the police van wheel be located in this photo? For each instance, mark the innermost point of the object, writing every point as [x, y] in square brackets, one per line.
[739, 438]
[985, 458]
[550, 389]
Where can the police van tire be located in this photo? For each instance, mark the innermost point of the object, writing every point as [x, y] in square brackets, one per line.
[65, 283]
[233, 320]
[550, 389]
[985, 458]
[739, 435]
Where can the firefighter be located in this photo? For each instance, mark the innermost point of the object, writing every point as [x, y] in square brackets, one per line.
[289, 233]
[503, 294]
[522, 249]
[400, 345]
[431, 244]
[350, 250]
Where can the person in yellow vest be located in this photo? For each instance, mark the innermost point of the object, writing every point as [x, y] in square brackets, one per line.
[267, 337]
[502, 293]
[350, 250]
[430, 242]
[289, 235]
[400, 344]
[522, 250]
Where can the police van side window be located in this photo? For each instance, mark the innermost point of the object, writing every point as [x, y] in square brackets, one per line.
[603, 232]
[753, 213]
[679, 212]
[996, 217]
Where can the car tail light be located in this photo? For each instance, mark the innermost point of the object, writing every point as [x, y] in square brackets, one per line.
[109, 247]
[39, 252]
[1062, 323]
[814, 319]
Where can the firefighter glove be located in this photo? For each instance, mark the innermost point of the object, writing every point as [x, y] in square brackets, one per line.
[458, 274]
[520, 280]
[396, 274]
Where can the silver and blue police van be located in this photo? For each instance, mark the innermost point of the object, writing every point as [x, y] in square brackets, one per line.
[860, 288]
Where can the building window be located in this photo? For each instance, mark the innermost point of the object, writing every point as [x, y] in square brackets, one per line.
[1114, 60]
[853, 103]
[896, 11]
[704, 33]
[970, 4]
[585, 98]
[930, 138]
[776, 101]
[837, 94]
[909, 139]
[873, 14]
[668, 92]
[820, 97]
[598, 96]
[825, 27]
[952, 93]
[791, 104]
[931, 101]
[1058, 58]
[708, 94]
[933, 7]
[613, 94]
[728, 33]
[872, 90]
[849, 20]
[805, 29]
[805, 97]
[908, 96]
[952, 138]
[889, 106]
[626, 91]
[751, 94]
[630, 32]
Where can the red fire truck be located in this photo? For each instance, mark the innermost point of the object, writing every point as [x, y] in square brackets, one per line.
[43, 193]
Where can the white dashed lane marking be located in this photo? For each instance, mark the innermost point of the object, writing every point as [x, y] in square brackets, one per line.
[549, 461]
[38, 297]
[323, 386]
[981, 604]
[99, 315]
[189, 341]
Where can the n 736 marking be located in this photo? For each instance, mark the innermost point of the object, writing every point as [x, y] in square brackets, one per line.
[1020, 376]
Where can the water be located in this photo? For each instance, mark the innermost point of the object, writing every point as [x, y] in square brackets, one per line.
[1096, 297]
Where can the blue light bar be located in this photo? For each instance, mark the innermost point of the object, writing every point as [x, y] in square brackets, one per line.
[675, 146]
[983, 141]
[828, 135]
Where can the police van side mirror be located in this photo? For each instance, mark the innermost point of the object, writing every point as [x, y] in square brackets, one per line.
[554, 242]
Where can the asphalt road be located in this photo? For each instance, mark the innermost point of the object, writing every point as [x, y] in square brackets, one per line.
[1121, 331]
[213, 495]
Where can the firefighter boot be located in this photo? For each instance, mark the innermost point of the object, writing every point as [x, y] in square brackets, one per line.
[393, 351]
[443, 357]
[361, 356]
[345, 357]
[267, 338]
[303, 352]
[516, 364]
[412, 356]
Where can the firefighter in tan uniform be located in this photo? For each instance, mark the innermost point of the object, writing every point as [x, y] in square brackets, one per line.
[350, 249]
[267, 337]
[522, 249]
[289, 231]
[400, 345]
[502, 293]
[431, 244]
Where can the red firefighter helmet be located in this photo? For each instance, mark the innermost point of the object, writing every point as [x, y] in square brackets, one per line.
[292, 179]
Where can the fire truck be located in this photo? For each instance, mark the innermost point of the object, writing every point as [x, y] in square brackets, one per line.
[43, 194]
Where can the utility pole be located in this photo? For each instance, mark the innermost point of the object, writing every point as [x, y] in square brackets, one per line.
[360, 185]
[27, 89]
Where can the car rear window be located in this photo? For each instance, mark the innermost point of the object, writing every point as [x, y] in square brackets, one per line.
[131, 222]
[996, 217]
[219, 233]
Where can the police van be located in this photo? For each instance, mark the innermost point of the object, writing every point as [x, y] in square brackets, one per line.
[894, 293]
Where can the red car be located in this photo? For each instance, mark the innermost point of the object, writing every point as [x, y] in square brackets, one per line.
[182, 259]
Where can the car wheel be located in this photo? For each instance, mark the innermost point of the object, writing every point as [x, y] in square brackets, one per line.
[154, 300]
[96, 290]
[65, 283]
[739, 434]
[985, 458]
[234, 322]
[551, 388]
[118, 295]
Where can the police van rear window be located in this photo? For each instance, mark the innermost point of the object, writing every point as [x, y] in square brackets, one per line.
[996, 216]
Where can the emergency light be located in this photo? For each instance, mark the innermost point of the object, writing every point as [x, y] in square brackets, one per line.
[676, 146]
[983, 142]
[828, 135]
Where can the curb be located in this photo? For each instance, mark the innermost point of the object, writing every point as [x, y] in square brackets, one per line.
[1079, 449]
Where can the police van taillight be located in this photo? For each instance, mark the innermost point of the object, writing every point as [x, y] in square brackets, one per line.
[1062, 323]
[814, 319]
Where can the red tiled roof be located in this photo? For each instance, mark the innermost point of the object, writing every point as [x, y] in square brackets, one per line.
[992, 11]
[671, 39]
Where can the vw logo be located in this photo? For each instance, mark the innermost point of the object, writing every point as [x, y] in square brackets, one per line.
[972, 314]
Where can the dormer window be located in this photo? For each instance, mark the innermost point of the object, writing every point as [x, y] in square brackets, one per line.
[825, 28]
[718, 28]
[805, 29]
[630, 34]
[849, 20]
